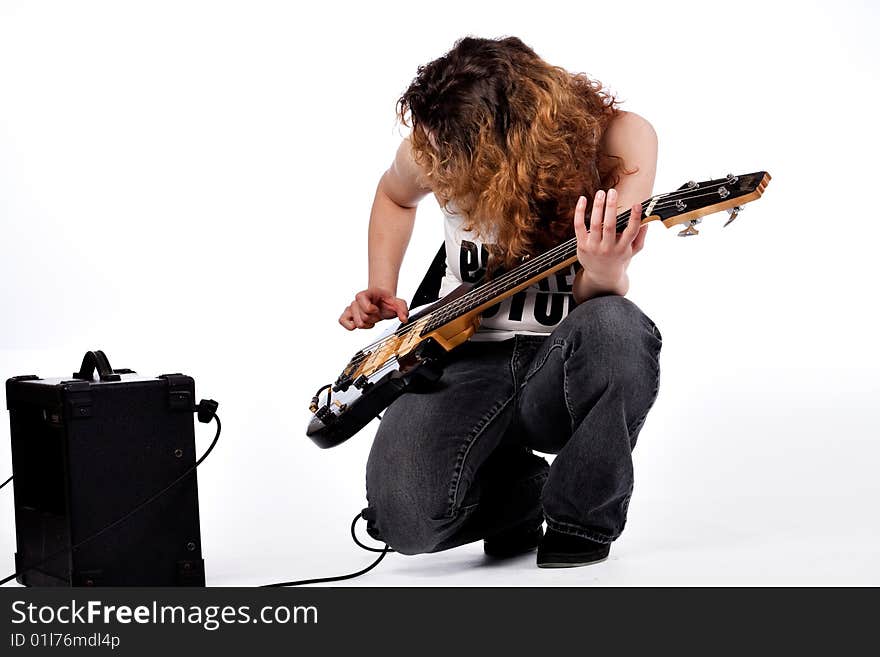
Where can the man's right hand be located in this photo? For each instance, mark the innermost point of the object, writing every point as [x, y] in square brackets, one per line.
[371, 306]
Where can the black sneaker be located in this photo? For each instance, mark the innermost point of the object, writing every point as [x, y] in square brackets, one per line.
[511, 542]
[558, 550]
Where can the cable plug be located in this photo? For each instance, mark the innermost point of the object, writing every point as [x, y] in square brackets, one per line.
[206, 410]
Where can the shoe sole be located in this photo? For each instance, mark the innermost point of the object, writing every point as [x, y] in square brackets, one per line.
[570, 564]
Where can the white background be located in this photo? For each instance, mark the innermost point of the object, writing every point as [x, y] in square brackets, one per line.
[187, 185]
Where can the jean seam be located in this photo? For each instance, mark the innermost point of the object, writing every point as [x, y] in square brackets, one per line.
[536, 368]
[566, 397]
[644, 416]
[463, 452]
[561, 344]
[467, 508]
[514, 359]
[638, 424]
[577, 530]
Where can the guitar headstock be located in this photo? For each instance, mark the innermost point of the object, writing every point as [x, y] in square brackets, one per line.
[694, 200]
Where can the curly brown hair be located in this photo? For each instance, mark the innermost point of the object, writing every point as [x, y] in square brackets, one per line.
[499, 132]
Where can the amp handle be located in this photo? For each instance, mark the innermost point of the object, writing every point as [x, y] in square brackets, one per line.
[96, 360]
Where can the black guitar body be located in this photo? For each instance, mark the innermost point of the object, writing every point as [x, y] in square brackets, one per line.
[328, 429]
[354, 404]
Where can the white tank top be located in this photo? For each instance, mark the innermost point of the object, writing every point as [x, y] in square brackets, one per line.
[533, 311]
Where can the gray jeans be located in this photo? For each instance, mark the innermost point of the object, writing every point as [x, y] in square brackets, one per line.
[454, 463]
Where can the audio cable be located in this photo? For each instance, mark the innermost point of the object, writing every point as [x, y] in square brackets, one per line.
[207, 411]
[336, 578]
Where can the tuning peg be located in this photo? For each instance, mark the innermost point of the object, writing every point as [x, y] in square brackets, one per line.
[689, 230]
[734, 213]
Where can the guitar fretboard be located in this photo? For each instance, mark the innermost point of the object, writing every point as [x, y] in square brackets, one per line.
[485, 295]
[692, 199]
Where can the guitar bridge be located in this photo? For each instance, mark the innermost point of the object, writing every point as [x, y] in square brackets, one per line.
[325, 415]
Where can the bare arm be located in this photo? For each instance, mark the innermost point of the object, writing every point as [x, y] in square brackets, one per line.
[604, 255]
[391, 223]
[392, 217]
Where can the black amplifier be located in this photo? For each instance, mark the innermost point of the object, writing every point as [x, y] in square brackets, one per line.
[86, 452]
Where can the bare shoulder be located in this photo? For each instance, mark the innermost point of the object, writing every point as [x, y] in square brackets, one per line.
[632, 138]
[627, 130]
[404, 180]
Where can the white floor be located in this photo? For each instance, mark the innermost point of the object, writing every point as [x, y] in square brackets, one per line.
[771, 483]
[775, 483]
[754, 478]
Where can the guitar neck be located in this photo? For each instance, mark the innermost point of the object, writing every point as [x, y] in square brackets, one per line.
[519, 278]
[683, 206]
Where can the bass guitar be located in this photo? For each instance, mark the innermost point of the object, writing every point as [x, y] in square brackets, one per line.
[412, 353]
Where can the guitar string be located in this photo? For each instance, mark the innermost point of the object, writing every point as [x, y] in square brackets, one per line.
[546, 258]
[483, 294]
[524, 271]
[622, 218]
[487, 292]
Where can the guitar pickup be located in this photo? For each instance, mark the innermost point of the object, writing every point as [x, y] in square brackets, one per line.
[342, 383]
[361, 382]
